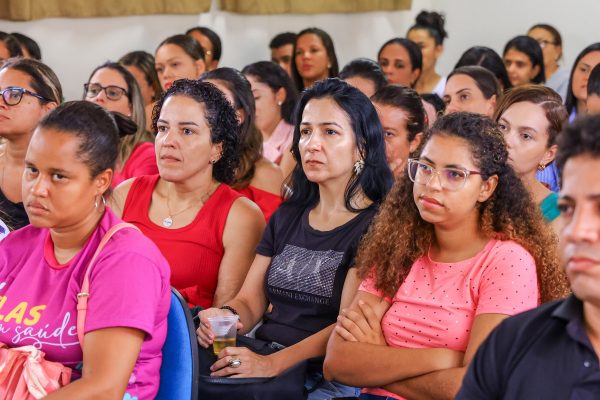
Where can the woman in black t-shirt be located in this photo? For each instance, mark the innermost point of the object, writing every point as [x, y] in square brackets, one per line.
[304, 263]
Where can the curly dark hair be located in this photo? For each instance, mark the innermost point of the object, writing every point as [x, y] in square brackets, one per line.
[398, 236]
[250, 137]
[220, 117]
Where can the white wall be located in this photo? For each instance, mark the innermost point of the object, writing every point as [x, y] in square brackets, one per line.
[73, 47]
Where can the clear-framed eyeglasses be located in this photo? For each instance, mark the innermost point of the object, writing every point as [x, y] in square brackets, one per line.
[450, 178]
[13, 95]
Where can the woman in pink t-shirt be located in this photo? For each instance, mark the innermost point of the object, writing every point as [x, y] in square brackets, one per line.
[457, 247]
[68, 170]
[113, 87]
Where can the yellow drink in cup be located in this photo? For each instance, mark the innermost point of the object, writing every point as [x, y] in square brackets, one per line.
[225, 329]
[220, 343]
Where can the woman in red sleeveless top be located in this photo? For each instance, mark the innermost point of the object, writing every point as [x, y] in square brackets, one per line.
[256, 177]
[188, 210]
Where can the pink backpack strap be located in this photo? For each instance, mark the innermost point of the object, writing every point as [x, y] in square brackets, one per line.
[84, 294]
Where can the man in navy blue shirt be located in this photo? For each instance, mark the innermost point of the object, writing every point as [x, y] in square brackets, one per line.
[551, 352]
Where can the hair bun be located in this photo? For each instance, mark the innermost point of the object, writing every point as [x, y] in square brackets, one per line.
[432, 20]
[125, 125]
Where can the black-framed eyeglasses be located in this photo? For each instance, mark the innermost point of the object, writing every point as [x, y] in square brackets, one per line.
[13, 95]
[450, 178]
[113, 92]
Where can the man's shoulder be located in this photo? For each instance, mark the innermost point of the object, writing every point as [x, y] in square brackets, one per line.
[531, 319]
[528, 326]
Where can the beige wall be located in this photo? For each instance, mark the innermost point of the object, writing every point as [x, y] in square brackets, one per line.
[73, 47]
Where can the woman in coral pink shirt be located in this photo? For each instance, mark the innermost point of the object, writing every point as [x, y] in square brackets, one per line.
[457, 247]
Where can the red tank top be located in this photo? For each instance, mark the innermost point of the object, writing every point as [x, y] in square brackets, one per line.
[266, 201]
[194, 251]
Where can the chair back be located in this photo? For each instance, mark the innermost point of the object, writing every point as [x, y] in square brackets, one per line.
[179, 369]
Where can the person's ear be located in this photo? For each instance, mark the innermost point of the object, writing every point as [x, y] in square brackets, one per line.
[241, 115]
[280, 95]
[491, 105]
[487, 188]
[216, 152]
[414, 76]
[414, 144]
[102, 181]
[200, 67]
[439, 49]
[49, 106]
[534, 72]
[549, 155]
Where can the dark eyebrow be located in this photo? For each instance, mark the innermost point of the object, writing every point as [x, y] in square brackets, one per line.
[322, 123]
[566, 197]
[58, 171]
[445, 166]
[463, 90]
[179, 123]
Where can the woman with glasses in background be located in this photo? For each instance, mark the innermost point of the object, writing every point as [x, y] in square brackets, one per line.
[113, 87]
[29, 90]
[457, 247]
[550, 41]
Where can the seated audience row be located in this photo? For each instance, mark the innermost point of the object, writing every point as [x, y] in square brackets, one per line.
[256, 201]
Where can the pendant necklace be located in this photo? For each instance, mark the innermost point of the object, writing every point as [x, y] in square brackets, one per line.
[168, 221]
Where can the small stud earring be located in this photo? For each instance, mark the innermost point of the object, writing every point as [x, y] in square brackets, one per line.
[541, 166]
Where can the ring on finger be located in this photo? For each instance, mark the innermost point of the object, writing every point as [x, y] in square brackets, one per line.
[235, 363]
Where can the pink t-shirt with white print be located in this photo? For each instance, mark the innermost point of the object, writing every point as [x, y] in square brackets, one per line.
[437, 303]
[129, 287]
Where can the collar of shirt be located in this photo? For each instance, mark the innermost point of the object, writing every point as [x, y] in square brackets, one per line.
[571, 311]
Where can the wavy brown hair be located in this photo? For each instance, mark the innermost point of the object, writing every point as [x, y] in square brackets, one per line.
[398, 235]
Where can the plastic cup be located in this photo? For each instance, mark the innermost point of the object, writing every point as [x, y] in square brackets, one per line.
[225, 330]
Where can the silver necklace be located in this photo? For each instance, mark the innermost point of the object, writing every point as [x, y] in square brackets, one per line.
[168, 221]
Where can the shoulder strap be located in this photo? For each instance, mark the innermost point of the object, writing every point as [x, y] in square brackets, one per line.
[83, 295]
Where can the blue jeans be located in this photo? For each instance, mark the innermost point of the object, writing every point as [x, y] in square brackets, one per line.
[326, 390]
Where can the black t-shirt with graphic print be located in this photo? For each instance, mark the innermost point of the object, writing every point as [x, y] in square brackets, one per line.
[308, 268]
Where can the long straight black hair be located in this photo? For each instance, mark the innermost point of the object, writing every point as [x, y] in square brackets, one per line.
[376, 178]
[571, 100]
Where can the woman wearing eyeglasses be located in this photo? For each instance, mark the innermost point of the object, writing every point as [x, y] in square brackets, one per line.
[551, 43]
[457, 247]
[29, 90]
[113, 87]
